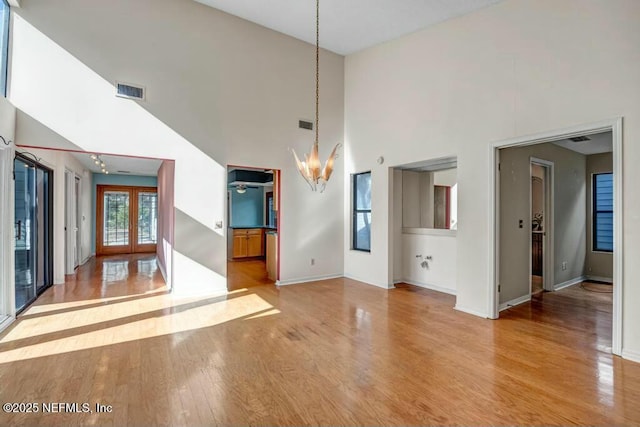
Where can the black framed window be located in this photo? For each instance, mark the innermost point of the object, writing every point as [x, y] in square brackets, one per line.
[4, 45]
[361, 209]
[603, 212]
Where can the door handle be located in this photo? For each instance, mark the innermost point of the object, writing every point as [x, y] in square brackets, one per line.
[19, 224]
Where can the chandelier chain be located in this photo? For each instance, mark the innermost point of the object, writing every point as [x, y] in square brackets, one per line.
[317, 66]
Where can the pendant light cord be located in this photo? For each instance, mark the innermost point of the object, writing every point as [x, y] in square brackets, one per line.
[317, 66]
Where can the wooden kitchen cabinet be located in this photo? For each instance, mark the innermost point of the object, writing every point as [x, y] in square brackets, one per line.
[255, 243]
[247, 242]
[239, 245]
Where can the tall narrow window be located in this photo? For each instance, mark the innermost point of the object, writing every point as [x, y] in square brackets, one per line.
[4, 45]
[361, 223]
[603, 212]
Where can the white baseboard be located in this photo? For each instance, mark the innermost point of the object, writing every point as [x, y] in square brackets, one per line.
[307, 279]
[429, 286]
[600, 279]
[568, 283]
[632, 355]
[514, 302]
[471, 311]
[379, 285]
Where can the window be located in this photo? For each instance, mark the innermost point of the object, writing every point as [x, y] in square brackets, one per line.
[361, 224]
[4, 45]
[603, 212]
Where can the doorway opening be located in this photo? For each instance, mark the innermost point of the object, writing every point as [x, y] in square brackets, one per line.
[33, 221]
[72, 217]
[253, 237]
[574, 233]
[74, 180]
[541, 220]
[425, 221]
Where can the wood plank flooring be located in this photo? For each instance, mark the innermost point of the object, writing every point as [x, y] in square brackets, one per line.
[246, 274]
[335, 352]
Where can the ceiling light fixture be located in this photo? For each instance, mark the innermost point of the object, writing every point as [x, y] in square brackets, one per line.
[310, 168]
[241, 188]
[100, 163]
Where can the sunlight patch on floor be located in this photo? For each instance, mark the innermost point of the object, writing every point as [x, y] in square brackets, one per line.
[40, 308]
[150, 317]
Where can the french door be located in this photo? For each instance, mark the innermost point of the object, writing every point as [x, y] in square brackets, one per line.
[127, 219]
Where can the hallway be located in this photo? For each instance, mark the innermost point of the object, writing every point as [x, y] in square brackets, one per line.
[330, 352]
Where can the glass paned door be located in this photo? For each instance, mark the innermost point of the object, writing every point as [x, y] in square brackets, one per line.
[32, 222]
[25, 219]
[147, 206]
[127, 220]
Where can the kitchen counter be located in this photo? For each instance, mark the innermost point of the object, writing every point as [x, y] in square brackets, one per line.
[249, 227]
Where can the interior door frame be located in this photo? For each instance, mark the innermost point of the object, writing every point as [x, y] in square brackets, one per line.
[78, 217]
[548, 275]
[277, 197]
[133, 246]
[69, 221]
[615, 127]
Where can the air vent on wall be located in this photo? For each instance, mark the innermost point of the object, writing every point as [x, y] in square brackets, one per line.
[126, 90]
[303, 124]
[124, 171]
[580, 139]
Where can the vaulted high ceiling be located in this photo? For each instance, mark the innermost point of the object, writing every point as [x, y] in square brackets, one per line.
[347, 26]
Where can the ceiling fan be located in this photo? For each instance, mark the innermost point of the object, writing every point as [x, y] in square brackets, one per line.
[242, 188]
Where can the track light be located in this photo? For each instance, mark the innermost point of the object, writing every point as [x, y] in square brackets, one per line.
[101, 164]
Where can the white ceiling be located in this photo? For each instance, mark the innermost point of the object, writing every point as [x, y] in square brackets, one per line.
[117, 165]
[598, 143]
[347, 26]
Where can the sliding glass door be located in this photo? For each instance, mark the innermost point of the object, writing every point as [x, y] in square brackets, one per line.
[127, 219]
[33, 215]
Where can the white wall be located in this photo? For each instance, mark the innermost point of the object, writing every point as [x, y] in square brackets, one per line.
[446, 177]
[396, 232]
[7, 130]
[517, 68]
[166, 219]
[440, 274]
[59, 161]
[220, 90]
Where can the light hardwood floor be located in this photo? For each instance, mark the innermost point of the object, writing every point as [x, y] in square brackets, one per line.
[247, 273]
[335, 352]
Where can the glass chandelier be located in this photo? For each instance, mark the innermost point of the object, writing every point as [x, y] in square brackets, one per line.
[311, 168]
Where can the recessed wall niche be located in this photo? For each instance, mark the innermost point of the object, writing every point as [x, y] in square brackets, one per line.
[430, 194]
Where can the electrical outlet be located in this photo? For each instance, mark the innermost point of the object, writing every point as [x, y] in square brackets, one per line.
[313, 261]
[564, 265]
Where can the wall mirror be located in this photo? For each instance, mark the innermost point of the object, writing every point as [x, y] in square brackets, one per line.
[430, 194]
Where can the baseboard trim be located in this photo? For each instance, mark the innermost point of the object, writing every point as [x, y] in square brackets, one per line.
[568, 283]
[307, 279]
[514, 302]
[429, 286]
[631, 355]
[377, 285]
[600, 279]
[471, 311]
